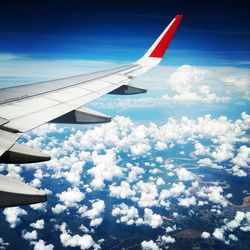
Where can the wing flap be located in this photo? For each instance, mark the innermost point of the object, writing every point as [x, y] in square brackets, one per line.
[15, 193]
[19, 154]
[7, 139]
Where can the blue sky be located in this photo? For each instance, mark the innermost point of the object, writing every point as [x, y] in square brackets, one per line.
[212, 33]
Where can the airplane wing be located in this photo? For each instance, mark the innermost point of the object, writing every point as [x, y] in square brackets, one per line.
[24, 108]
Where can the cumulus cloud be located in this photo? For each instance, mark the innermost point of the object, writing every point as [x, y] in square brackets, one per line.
[187, 202]
[242, 159]
[214, 194]
[84, 242]
[167, 239]
[241, 221]
[148, 194]
[149, 245]
[223, 152]
[39, 224]
[41, 245]
[219, 234]
[123, 191]
[39, 206]
[105, 169]
[30, 235]
[95, 213]
[125, 214]
[174, 191]
[58, 209]
[205, 235]
[71, 197]
[184, 175]
[12, 215]
[207, 162]
[140, 149]
[151, 219]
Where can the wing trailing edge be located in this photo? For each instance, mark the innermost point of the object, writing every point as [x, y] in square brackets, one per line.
[20, 154]
[15, 193]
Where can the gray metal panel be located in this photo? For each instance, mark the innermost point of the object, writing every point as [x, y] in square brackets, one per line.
[3, 121]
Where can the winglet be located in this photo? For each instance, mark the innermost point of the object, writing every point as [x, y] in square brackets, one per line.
[158, 49]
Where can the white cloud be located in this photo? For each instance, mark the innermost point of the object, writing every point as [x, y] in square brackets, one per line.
[149, 245]
[84, 242]
[123, 191]
[201, 149]
[174, 191]
[238, 172]
[96, 222]
[240, 221]
[39, 224]
[105, 169]
[242, 159]
[71, 197]
[95, 213]
[134, 172]
[232, 237]
[12, 215]
[125, 214]
[236, 222]
[30, 235]
[214, 194]
[205, 235]
[187, 202]
[207, 162]
[219, 234]
[140, 149]
[167, 239]
[148, 194]
[39, 206]
[223, 152]
[151, 219]
[58, 209]
[186, 80]
[160, 181]
[184, 175]
[41, 245]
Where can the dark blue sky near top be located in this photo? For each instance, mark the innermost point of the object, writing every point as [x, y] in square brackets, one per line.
[211, 33]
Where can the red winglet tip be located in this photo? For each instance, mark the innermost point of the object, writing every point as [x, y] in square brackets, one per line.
[162, 46]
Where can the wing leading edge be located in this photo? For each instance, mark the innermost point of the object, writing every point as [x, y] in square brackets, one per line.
[26, 107]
